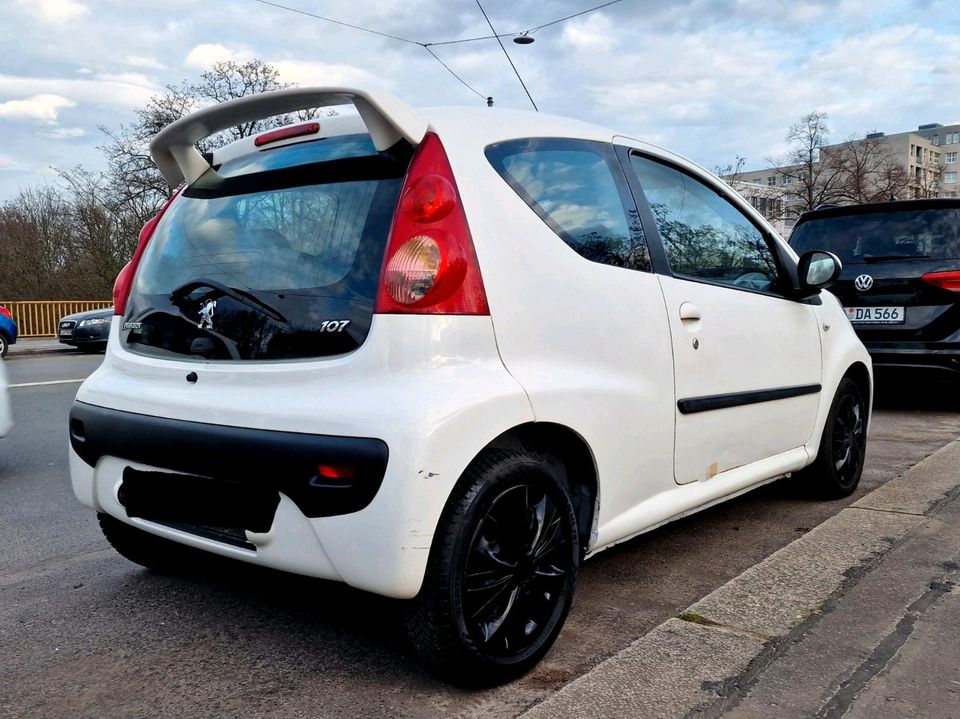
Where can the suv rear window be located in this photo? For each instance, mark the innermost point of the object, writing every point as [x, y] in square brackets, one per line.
[276, 256]
[922, 233]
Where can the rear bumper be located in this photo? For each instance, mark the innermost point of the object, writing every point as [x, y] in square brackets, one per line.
[235, 459]
[922, 357]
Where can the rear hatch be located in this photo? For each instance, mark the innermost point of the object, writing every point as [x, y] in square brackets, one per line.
[274, 255]
[898, 259]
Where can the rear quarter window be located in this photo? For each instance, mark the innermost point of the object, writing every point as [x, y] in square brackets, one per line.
[576, 188]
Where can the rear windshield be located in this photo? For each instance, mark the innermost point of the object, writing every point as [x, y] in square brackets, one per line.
[276, 256]
[929, 233]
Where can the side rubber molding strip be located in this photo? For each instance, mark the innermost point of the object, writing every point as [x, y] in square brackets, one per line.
[738, 399]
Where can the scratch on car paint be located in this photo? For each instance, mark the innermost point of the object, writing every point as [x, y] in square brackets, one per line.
[430, 475]
[713, 470]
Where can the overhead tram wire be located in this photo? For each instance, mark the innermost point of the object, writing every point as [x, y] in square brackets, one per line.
[509, 59]
[427, 45]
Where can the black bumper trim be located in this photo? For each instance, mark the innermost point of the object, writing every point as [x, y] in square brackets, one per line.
[282, 461]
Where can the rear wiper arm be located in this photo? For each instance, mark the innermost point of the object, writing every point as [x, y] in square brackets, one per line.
[241, 296]
[893, 258]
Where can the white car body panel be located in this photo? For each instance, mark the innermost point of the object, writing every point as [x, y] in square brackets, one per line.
[731, 356]
[596, 349]
[434, 390]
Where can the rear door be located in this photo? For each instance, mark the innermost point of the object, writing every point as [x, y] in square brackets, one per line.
[747, 359]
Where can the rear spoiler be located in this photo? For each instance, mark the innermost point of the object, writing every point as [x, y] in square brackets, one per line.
[174, 150]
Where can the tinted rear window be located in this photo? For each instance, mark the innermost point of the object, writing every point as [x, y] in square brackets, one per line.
[270, 258]
[929, 233]
[577, 189]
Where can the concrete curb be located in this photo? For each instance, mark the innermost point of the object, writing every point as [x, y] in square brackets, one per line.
[687, 663]
[27, 347]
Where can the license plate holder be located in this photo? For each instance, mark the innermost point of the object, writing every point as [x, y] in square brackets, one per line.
[876, 315]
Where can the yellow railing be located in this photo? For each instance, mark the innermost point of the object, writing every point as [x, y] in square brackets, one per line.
[39, 318]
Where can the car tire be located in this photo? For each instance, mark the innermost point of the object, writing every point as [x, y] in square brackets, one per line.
[836, 471]
[501, 573]
[4, 345]
[148, 550]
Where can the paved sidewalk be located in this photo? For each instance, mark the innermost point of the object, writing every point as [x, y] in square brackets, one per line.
[37, 345]
[858, 618]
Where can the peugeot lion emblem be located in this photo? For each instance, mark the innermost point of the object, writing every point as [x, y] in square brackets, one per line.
[206, 315]
[863, 283]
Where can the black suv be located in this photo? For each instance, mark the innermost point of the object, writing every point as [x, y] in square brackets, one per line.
[900, 283]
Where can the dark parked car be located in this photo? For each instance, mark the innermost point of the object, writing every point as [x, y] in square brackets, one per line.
[8, 331]
[87, 330]
[900, 284]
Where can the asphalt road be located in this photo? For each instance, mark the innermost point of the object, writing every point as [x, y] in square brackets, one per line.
[87, 634]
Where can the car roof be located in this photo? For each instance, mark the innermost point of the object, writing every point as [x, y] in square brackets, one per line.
[872, 208]
[480, 126]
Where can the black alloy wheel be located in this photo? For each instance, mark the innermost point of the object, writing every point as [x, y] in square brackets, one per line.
[502, 571]
[516, 565]
[836, 471]
[849, 438]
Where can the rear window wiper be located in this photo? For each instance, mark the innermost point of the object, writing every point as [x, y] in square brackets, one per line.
[241, 296]
[893, 258]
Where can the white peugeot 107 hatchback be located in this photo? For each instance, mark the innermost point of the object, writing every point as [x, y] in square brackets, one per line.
[445, 354]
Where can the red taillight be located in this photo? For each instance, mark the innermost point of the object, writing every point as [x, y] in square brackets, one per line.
[944, 280]
[430, 266]
[6, 313]
[285, 133]
[124, 281]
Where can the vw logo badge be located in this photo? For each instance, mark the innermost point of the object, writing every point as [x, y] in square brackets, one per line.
[863, 283]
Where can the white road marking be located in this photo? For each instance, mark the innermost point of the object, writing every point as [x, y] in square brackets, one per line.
[41, 384]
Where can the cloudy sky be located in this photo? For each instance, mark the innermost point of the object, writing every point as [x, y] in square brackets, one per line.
[711, 79]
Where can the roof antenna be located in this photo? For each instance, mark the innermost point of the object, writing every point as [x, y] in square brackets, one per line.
[489, 102]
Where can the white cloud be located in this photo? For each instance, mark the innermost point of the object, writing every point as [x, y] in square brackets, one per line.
[56, 11]
[206, 54]
[320, 73]
[12, 164]
[126, 92]
[43, 108]
[65, 133]
[147, 62]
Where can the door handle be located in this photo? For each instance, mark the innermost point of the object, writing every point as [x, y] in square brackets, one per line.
[689, 312]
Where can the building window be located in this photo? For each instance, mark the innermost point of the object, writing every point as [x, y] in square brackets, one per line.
[787, 180]
[949, 178]
[951, 138]
[951, 158]
[772, 181]
[935, 139]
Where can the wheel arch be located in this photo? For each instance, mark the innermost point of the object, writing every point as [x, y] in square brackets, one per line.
[859, 373]
[567, 445]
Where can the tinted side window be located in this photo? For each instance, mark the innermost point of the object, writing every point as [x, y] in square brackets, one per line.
[574, 187]
[704, 236]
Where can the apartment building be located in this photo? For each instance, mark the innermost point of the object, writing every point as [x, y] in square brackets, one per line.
[925, 163]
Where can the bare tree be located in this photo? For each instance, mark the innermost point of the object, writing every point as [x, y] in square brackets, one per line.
[807, 181]
[868, 170]
[731, 172]
[134, 178]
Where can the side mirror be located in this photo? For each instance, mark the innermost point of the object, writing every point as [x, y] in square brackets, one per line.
[817, 269]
